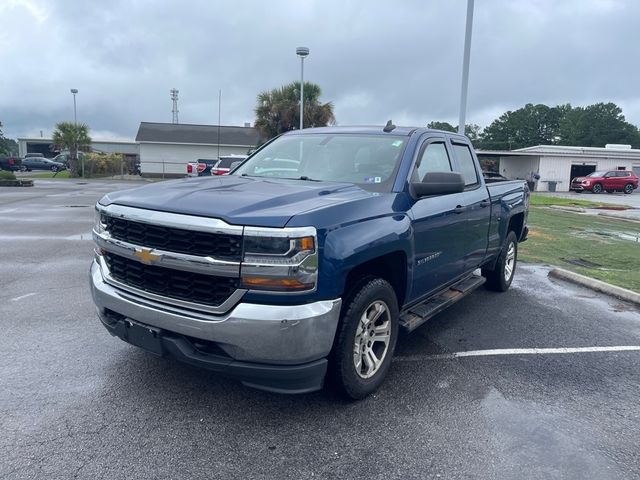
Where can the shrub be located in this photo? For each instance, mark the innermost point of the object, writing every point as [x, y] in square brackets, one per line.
[102, 164]
[6, 175]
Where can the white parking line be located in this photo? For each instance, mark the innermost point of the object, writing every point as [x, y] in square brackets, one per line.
[15, 299]
[518, 351]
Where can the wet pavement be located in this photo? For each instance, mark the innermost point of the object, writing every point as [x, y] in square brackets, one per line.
[77, 403]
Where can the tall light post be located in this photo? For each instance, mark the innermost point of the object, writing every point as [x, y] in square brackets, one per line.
[75, 116]
[302, 52]
[465, 67]
[74, 91]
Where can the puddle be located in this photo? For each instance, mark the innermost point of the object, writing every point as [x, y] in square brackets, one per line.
[632, 237]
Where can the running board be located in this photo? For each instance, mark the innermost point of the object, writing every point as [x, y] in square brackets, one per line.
[415, 316]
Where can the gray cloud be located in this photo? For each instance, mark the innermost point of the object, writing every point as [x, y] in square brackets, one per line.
[375, 60]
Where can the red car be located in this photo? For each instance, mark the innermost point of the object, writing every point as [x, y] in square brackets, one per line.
[615, 180]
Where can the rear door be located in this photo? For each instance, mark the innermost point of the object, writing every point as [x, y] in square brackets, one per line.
[439, 228]
[475, 204]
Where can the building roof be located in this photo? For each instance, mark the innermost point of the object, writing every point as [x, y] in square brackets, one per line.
[197, 134]
[614, 151]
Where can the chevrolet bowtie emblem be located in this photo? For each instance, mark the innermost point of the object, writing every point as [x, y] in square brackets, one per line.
[146, 255]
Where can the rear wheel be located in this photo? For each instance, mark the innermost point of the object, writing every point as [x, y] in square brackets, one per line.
[366, 338]
[500, 277]
[597, 188]
[628, 188]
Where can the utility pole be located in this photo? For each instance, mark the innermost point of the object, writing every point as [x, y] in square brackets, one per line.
[219, 108]
[465, 67]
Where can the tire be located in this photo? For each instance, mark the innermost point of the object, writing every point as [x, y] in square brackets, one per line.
[54, 169]
[373, 299]
[499, 279]
[597, 188]
[628, 188]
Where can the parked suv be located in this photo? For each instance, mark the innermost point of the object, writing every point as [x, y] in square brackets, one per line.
[613, 181]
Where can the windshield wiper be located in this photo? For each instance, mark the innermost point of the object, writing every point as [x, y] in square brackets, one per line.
[308, 179]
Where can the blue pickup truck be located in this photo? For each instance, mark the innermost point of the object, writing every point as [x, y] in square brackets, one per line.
[306, 261]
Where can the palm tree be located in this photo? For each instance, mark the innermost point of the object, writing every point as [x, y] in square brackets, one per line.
[73, 137]
[278, 110]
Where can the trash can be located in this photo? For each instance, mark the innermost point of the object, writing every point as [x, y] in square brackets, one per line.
[552, 186]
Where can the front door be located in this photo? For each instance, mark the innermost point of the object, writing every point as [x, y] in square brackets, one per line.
[439, 226]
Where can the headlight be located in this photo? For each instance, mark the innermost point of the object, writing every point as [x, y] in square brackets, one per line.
[586, 182]
[280, 260]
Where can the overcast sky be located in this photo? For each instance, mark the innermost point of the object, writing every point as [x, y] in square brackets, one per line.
[375, 60]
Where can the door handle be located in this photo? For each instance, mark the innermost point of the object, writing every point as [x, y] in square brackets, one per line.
[459, 209]
[484, 203]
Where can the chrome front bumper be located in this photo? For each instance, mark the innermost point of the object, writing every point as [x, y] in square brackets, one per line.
[273, 334]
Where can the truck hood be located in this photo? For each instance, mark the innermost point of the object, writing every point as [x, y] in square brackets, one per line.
[262, 202]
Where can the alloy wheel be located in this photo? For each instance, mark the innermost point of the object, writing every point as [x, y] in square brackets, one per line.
[509, 264]
[372, 339]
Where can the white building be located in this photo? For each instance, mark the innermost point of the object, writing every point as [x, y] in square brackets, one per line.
[166, 148]
[557, 165]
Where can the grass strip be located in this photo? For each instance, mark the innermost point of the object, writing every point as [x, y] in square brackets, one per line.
[609, 249]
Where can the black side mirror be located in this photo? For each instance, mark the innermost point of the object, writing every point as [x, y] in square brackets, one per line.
[438, 183]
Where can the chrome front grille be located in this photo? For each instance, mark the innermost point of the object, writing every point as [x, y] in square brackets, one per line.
[181, 285]
[206, 244]
[186, 261]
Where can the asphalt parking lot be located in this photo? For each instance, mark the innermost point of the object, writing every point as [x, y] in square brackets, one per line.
[77, 403]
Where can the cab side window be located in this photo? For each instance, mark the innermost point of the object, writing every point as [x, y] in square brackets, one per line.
[434, 158]
[466, 164]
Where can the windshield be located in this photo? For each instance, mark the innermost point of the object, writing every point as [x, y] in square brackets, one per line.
[596, 174]
[369, 161]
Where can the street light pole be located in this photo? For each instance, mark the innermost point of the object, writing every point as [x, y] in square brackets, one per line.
[302, 52]
[75, 116]
[75, 123]
[465, 67]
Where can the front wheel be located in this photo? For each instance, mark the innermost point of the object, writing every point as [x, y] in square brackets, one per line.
[500, 277]
[366, 338]
[597, 188]
[628, 188]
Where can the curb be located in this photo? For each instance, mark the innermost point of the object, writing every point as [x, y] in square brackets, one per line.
[568, 208]
[619, 217]
[597, 285]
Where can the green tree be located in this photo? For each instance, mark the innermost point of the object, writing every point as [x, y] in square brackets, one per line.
[8, 146]
[596, 125]
[73, 137]
[446, 126]
[278, 110]
[472, 130]
[528, 126]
